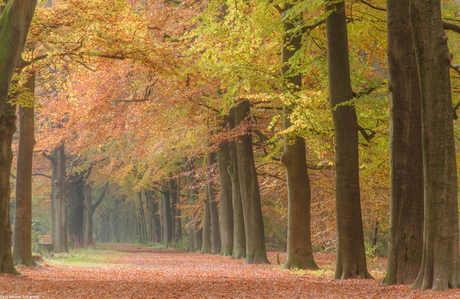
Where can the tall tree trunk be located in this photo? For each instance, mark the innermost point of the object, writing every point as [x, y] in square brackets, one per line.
[206, 241]
[76, 208]
[132, 221]
[142, 225]
[58, 199]
[299, 249]
[173, 196]
[191, 199]
[440, 261]
[8, 127]
[226, 209]
[252, 210]
[216, 244]
[406, 158]
[351, 256]
[239, 236]
[167, 225]
[198, 235]
[154, 217]
[22, 250]
[178, 225]
[88, 213]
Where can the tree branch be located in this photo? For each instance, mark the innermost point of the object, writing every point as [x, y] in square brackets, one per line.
[451, 27]
[42, 174]
[372, 6]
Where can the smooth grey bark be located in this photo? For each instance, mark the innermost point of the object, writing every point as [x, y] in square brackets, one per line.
[22, 250]
[216, 242]
[206, 239]
[239, 235]
[249, 185]
[351, 256]
[406, 157]
[440, 260]
[58, 199]
[299, 248]
[226, 208]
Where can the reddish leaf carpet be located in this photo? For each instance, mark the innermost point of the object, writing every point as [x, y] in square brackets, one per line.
[161, 273]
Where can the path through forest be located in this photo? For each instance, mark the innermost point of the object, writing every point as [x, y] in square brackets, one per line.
[141, 272]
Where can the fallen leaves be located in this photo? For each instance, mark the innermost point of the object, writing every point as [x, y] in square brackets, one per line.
[162, 273]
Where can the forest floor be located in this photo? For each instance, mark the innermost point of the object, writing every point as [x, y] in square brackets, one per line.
[123, 271]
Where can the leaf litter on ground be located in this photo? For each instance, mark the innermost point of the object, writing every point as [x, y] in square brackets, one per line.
[143, 272]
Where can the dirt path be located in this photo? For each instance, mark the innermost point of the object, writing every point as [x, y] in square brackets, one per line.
[160, 273]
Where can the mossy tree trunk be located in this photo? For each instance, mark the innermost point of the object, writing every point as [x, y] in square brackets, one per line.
[22, 250]
[155, 226]
[249, 185]
[7, 129]
[440, 260]
[406, 157]
[166, 211]
[299, 249]
[351, 255]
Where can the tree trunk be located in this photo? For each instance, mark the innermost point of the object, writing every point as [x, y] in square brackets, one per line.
[440, 259]
[206, 241]
[15, 21]
[191, 198]
[299, 249]
[239, 236]
[8, 127]
[76, 208]
[132, 222]
[142, 225]
[406, 158]
[88, 213]
[167, 225]
[226, 209]
[58, 199]
[173, 196]
[249, 186]
[351, 256]
[216, 244]
[154, 217]
[22, 250]
[178, 225]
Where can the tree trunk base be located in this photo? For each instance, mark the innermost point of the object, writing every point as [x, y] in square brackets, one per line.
[308, 262]
[256, 258]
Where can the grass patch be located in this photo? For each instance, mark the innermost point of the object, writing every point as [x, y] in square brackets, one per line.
[86, 258]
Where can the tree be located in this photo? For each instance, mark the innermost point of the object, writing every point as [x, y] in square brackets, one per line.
[440, 259]
[22, 250]
[88, 211]
[239, 236]
[216, 242]
[299, 249]
[226, 209]
[351, 256]
[58, 198]
[406, 198]
[252, 210]
[206, 241]
[15, 18]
